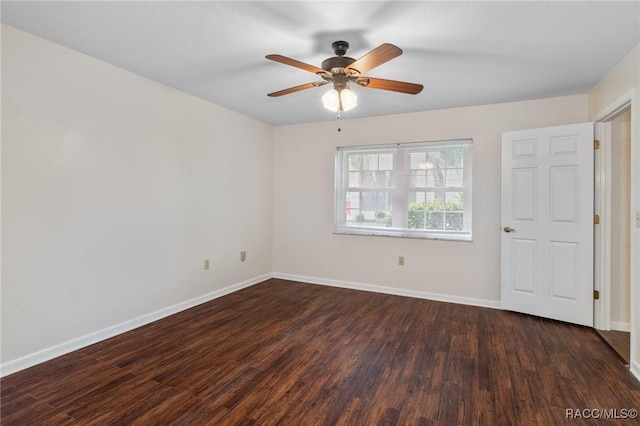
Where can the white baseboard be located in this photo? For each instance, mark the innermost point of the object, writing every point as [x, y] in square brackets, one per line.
[635, 369]
[620, 326]
[494, 304]
[35, 358]
[47, 354]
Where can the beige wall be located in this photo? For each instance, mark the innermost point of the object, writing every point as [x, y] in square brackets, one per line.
[616, 83]
[116, 188]
[304, 244]
[114, 191]
[620, 220]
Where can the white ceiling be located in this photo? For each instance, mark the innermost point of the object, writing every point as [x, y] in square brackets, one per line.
[464, 53]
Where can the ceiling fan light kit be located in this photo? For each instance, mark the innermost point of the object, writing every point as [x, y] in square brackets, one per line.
[343, 100]
[341, 70]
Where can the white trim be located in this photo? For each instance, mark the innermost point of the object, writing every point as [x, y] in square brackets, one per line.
[420, 144]
[493, 304]
[620, 326]
[607, 114]
[635, 232]
[629, 99]
[635, 369]
[602, 246]
[43, 355]
[384, 232]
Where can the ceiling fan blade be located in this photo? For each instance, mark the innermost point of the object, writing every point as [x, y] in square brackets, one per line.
[392, 85]
[378, 56]
[297, 88]
[297, 64]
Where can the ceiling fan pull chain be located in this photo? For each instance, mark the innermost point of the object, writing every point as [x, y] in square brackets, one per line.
[339, 129]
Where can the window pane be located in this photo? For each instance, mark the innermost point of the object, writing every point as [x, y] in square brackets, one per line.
[428, 214]
[354, 179]
[418, 178]
[423, 197]
[434, 160]
[418, 160]
[355, 162]
[417, 197]
[382, 215]
[353, 200]
[386, 162]
[416, 217]
[434, 179]
[453, 177]
[383, 179]
[369, 201]
[454, 221]
[434, 220]
[367, 179]
[453, 157]
[369, 209]
[375, 201]
[353, 207]
[454, 201]
[370, 162]
[388, 178]
[371, 170]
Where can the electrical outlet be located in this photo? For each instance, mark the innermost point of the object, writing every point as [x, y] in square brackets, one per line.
[206, 264]
[401, 260]
[243, 256]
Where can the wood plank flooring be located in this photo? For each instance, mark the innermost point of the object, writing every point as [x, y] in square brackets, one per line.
[288, 353]
[620, 341]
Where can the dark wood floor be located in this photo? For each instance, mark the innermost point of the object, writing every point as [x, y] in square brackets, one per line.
[620, 341]
[289, 353]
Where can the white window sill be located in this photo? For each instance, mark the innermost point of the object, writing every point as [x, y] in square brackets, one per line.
[402, 233]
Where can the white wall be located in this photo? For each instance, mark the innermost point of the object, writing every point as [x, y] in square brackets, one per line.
[114, 191]
[305, 246]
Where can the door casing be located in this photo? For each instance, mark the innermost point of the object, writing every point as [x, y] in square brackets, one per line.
[602, 308]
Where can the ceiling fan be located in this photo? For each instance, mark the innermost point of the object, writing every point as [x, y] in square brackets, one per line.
[342, 70]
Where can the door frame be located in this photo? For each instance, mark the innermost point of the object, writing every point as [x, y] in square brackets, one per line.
[602, 200]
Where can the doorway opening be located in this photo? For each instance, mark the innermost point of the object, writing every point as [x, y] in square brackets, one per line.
[613, 238]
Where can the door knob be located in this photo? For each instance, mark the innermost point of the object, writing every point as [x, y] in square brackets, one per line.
[508, 229]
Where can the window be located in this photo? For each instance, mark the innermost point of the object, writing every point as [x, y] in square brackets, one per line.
[415, 190]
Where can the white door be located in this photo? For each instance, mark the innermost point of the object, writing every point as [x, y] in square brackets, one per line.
[547, 222]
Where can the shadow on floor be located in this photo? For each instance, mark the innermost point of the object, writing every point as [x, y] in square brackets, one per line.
[620, 342]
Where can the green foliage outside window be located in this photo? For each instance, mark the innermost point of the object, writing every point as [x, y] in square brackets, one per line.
[431, 215]
[436, 214]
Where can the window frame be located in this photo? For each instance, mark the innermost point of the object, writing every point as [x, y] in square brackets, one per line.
[400, 190]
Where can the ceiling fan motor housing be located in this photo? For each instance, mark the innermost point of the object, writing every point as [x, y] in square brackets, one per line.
[337, 64]
[340, 47]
